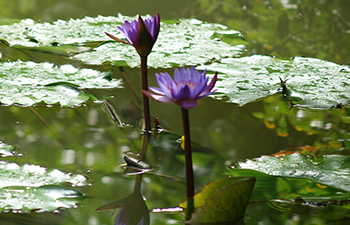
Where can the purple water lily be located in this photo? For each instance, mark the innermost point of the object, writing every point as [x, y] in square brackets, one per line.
[188, 86]
[141, 33]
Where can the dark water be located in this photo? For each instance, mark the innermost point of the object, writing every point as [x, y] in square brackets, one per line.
[88, 143]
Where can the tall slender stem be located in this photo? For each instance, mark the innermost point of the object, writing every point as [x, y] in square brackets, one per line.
[189, 166]
[146, 110]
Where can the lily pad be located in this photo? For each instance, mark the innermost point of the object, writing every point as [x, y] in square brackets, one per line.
[12, 174]
[185, 42]
[331, 170]
[26, 83]
[269, 188]
[313, 82]
[222, 201]
[188, 42]
[32, 187]
[38, 199]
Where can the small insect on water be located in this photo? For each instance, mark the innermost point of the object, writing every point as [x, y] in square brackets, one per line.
[286, 92]
[283, 87]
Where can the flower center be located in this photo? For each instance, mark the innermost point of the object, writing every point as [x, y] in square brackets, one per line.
[188, 83]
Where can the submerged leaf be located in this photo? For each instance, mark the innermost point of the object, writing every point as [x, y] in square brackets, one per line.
[310, 82]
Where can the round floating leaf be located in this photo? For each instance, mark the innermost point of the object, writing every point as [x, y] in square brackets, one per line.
[29, 33]
[222, 201]
[310, 82]
[331, 170]
[39, 199]
[288, 188]
[32, 187]
[12, 174]
[186, 42]
[26, 83]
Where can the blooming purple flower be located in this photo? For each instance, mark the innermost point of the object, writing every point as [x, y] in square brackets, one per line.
[188, 86]
[141, 33]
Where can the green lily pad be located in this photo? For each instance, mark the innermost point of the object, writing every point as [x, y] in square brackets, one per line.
[222, 201]
[31, 34]
[32, 187]
[312, 83]
[269, 188]
[331, 170]
[186, 42]
[26, 83]
[12, 174]
[38, 199]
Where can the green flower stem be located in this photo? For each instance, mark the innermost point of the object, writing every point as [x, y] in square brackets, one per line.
[189, 166]
[138, 181]
[146, 110]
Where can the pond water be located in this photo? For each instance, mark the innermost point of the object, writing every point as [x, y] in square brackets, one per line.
[83, 140]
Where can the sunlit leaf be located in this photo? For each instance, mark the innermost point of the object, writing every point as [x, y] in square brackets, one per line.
[38, 199]
[222, 201]
[31, 34]
[32, 187]
[268, 188]
[26, 83]
[331, 170]
[185, 42]
[188, 42]
[311, 82]
[12, 174]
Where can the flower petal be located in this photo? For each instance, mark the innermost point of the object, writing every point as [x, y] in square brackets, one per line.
[153, 26]
[129, 30]
[158, 98]
[187, 103]
[212, 83]
[156, 90]
[166, 84]
[184, 93]
[195, 75]
[117, 39]
[188, 86]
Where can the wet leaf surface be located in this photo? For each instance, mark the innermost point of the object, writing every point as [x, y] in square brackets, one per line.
[26, 83]
[13, 174]
[38, 199]
[32, 187]
[310, 82]
[185, 42]
[222, 201]
[331, 170]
